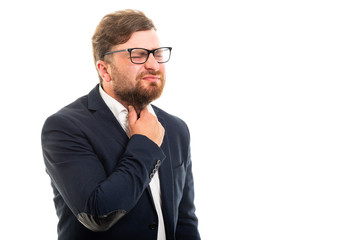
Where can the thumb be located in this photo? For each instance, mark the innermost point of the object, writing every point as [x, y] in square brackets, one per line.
[132, 116]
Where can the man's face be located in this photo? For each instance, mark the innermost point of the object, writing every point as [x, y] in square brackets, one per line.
[137, 84]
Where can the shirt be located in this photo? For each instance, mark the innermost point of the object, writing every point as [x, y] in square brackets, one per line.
[121, 114]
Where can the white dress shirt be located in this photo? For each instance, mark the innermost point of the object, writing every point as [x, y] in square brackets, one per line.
[121, 114]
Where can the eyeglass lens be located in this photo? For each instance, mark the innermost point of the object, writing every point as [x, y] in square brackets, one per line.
[140, 55]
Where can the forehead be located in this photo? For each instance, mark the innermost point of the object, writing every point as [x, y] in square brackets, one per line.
[142, 39]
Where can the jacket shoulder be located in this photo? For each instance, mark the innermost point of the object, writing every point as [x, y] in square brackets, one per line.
[81, 107]
[73, 112]
[171, 120]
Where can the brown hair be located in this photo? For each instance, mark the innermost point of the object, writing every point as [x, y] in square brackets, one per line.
[117, 28]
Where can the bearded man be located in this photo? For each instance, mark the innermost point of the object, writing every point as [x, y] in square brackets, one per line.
[120, 167]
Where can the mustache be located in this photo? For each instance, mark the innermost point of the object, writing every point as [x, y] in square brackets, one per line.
[147, 73]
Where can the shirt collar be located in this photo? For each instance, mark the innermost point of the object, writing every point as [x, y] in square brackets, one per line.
[115, 106]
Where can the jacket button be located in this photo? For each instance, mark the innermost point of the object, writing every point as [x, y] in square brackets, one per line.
[156, 167]
[153, 226]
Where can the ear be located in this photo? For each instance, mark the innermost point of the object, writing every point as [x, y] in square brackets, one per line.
[104, 70]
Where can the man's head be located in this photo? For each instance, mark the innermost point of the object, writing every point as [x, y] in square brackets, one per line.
[122, 75]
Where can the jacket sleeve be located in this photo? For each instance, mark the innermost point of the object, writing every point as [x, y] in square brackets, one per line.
[96, 199]
[187, 225]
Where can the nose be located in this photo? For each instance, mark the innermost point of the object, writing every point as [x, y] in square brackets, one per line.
[151, 63]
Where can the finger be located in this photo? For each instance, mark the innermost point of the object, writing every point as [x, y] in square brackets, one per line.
[132, 116]
[162, 133]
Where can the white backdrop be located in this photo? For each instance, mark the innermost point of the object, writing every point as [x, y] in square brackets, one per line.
[269, 89]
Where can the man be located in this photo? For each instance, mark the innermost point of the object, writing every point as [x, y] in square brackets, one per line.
[120, 168]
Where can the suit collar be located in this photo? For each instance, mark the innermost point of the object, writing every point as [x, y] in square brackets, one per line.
[105, 117]
[95, 102]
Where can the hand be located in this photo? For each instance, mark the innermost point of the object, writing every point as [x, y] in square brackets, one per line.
[147, 125]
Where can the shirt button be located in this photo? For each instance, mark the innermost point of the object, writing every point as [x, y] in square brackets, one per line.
[153, 226]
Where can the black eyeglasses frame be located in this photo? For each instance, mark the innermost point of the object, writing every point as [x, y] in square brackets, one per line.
[148, 53]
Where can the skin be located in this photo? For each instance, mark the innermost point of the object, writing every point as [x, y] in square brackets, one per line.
[140, 120]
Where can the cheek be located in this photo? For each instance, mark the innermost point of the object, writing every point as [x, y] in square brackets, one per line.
[136, 71]
[129, 70]
[131, 74]
[162, 69]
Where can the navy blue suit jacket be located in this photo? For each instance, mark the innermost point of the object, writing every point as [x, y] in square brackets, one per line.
[100, 177]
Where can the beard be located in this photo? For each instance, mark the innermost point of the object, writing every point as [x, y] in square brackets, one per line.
[140, 95]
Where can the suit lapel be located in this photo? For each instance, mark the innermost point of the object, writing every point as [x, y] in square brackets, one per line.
[108, 123]
[166, 182]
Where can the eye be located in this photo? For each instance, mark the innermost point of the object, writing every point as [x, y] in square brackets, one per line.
[139, 53]
[159, 53]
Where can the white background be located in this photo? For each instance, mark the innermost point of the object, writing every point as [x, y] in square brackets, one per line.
[269, 89]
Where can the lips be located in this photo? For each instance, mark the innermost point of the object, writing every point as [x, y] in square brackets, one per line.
[151, 78]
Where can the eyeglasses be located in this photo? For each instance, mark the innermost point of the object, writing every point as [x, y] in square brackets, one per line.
[141, 55]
